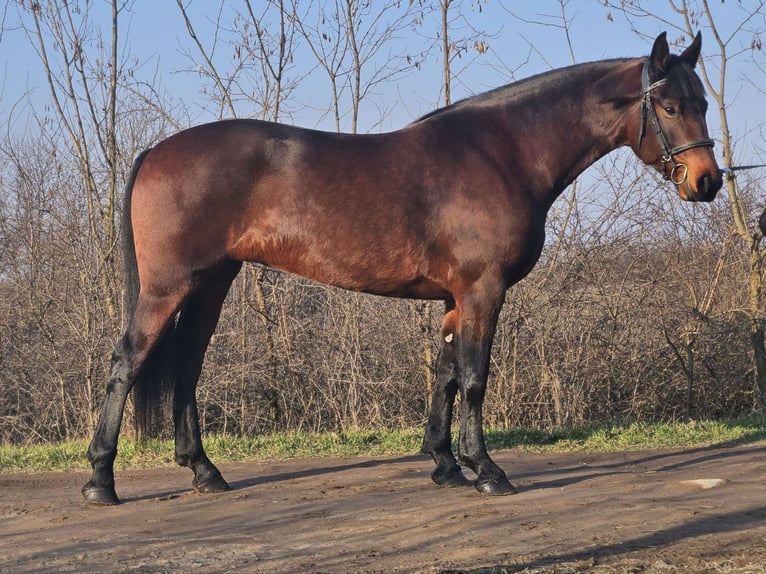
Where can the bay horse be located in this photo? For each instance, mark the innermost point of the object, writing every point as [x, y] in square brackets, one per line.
[452, 207]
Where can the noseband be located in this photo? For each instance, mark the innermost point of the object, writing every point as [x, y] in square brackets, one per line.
[680, 171]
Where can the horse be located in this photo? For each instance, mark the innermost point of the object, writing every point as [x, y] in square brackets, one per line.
[451, 207]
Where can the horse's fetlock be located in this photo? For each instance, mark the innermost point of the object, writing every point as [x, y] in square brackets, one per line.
[183, 460]
[468, 462]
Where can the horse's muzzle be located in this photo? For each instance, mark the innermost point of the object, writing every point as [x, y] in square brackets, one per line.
[706, 189]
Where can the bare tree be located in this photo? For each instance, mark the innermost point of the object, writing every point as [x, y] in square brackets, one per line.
[64, 175]
[247, 59]
[86, 112]
[741, 42]
[638, 309]
[347, 38]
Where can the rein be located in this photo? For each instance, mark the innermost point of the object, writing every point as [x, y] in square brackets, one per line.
[680, 170]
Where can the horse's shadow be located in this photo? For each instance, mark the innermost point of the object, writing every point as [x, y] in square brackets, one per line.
[246, 483]
[321, 470]
[581, 473]
[527, 481]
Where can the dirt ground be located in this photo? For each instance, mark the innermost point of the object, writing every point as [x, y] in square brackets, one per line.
[593, 513]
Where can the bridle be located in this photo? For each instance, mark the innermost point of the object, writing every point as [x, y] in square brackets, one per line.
[680, 170]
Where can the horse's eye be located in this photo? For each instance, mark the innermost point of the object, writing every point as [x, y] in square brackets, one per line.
[671, 110]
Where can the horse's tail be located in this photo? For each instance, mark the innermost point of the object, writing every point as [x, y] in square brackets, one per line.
[156, 378]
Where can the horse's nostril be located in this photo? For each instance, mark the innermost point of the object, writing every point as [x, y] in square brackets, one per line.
[707, 187]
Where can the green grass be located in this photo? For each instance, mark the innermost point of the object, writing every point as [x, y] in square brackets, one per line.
[70, 456]
[633, 436]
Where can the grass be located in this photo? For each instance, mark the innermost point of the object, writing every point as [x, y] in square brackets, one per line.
[70, 456]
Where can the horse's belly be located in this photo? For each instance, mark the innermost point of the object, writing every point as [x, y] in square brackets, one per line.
[377, 268]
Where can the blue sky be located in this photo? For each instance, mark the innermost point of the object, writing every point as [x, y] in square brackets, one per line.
[519, 46]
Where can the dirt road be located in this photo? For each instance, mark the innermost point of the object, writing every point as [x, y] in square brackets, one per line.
[594, 513]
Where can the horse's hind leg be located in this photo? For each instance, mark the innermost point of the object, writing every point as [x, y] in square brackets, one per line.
[196, 325]
[149, 320]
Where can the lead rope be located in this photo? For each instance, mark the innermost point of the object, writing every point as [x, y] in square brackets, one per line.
[735, 168]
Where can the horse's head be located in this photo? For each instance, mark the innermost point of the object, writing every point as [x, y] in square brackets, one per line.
[672, 133]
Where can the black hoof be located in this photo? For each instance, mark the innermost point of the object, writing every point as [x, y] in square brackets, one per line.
[453, 478]
[494, 486]
[214, 483]
[100, 495]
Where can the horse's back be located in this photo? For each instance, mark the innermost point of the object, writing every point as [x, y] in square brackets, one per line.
[341, 209]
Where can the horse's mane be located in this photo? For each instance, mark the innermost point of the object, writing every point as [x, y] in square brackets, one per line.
[682, 81]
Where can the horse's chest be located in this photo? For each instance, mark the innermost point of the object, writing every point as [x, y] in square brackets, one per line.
[522, 250]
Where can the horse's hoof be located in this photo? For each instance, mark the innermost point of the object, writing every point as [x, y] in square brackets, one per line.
[100, 495]
[451, 479]
[494, 486]
[215, 483]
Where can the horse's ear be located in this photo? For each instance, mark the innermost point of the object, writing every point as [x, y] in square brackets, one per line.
[660, 56]
[692, 54]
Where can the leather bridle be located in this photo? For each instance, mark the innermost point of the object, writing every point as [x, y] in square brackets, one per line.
[680, 170]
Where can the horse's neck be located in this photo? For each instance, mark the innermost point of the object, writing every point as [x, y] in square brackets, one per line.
[576, 119]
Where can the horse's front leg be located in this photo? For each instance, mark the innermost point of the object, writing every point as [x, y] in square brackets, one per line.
[477, 329]
[438, 440]
[472, 451]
